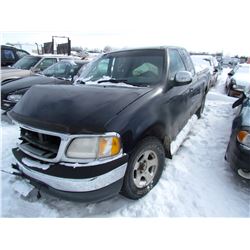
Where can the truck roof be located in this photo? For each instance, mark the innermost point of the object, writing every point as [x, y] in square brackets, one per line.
[146, 48]
[4, 46]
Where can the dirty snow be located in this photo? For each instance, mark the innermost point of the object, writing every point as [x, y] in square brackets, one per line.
[196, 182]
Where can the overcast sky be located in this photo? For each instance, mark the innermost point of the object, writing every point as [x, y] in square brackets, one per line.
[205, 25]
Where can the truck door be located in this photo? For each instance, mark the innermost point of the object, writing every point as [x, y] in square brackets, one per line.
[176, 102]
[196, 87]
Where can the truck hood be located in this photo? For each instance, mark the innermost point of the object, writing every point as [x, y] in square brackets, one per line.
[73, 109]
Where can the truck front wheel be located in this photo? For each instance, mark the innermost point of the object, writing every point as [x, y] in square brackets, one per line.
[144, 169]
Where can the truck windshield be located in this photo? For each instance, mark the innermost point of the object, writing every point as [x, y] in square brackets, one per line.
[139, 68]
[26, 62]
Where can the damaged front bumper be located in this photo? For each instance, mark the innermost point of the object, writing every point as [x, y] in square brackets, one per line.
[81, 183]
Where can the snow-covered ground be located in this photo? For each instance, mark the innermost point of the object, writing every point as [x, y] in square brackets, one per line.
[196, 182]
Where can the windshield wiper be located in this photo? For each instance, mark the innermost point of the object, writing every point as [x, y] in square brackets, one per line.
[113, 80]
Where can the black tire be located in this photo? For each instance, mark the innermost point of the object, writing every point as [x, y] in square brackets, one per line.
[130, 189]
[201, 108]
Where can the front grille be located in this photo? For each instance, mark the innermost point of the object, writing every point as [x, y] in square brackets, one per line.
[39, 144]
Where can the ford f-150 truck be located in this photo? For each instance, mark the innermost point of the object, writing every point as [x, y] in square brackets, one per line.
[111, 132]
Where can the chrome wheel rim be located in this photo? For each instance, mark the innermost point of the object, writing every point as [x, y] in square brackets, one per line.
[145, 168]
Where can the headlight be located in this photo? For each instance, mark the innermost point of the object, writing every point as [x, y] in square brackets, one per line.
[14, 97]
[233, 83]
[244, 138]
[94, 147]
[109, 146]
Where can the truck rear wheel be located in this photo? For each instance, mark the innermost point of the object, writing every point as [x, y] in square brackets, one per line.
[144, 169]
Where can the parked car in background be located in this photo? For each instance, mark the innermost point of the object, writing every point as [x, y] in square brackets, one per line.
[238, 150]
[243, 59]
[78, 51]
[62, 72]
[233, 62]
[110, 133]
[230, 62]
[238, 80]
[212, 65]
[202, 65]
[226, 61]
[29, 65]
[10, 55]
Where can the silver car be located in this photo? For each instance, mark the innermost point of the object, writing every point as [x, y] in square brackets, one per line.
[238, 80]
[211, 63]
[29, 65]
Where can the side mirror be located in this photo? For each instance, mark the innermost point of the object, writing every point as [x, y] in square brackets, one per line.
[35, 70]
[231, 73]
[183, 78]
[239, 101]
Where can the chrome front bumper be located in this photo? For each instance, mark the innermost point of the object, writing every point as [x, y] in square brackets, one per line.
[75, 185]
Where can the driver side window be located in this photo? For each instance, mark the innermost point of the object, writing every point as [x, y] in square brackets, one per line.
[176, 64]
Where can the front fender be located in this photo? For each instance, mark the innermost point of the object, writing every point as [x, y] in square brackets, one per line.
[143, 117]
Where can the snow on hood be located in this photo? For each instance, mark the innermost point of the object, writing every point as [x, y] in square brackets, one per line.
[242, 79]
[199, 68]
[89, 82]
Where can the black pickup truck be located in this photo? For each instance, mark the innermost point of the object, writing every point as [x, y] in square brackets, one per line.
[112, 131]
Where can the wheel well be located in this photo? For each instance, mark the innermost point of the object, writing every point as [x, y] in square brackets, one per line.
[206, 89]
[158, 131]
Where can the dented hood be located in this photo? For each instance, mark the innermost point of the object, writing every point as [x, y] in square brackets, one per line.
[73, 109]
